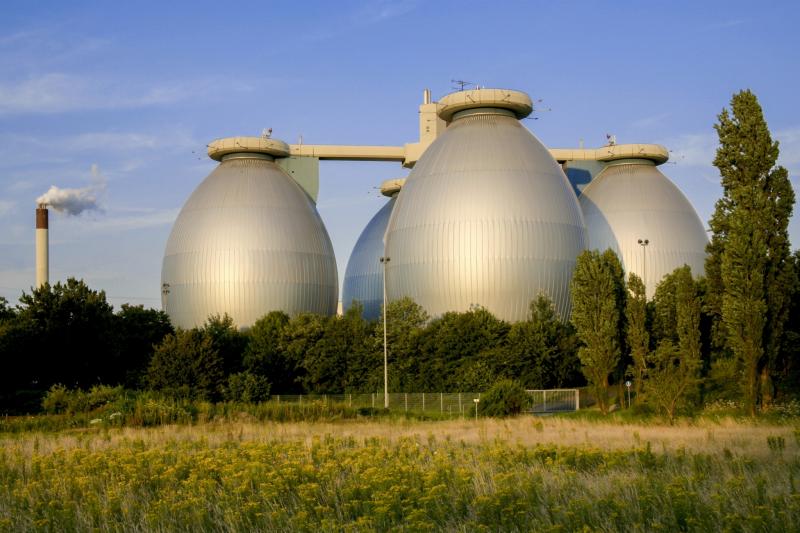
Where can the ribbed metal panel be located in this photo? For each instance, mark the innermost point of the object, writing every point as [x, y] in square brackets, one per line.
[363, 279]
[633, 200]
[486, 217]
[248, 241]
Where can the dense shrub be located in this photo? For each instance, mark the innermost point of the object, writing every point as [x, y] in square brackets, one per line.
[505, 398]
[57, 399]
[247, 387]
[60, 400]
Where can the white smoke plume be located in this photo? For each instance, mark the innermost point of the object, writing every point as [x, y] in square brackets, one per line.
[76, 201]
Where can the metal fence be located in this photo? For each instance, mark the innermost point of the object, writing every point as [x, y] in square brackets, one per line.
[451, 403]
[554, 400]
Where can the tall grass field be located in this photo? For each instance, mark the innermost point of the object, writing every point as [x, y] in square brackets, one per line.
[373, 474]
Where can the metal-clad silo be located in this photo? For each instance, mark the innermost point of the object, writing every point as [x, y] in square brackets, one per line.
[632, 201]
[363, 279]
[248, 241]
[486, 217]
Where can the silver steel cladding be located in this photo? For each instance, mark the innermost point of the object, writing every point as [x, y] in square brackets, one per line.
[248, 241]
[363, 279]
[486, 217]
[631, 200]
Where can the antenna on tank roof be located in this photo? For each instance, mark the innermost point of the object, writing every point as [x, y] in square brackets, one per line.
[460, 84]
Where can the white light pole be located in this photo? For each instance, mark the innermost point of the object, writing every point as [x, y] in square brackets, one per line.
[477, 401]
[643, 243]
[384, 261]
[628, 384]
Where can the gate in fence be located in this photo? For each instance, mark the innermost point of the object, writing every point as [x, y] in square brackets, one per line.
[554, 400]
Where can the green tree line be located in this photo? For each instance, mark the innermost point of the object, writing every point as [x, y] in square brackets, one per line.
[68, 334]
[731, 334]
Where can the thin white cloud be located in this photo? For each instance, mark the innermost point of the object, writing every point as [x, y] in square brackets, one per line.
[21, 186]
[59, 93]
[109, 141]
[14, 234]
[368, 13]
[76, 229]
[647, 122]
[375, 11]
[13, 281]
[6, 206]
[789, 139]
[699, 149]
[124, 219]
[46, 46]
[24, 150]
[16, 37]
[56, 93]
[692, 149]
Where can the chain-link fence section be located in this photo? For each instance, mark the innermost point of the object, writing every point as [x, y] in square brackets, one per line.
[450, 403]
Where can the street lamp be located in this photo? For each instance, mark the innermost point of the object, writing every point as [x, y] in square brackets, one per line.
[384, 261]
[643, 243]
[628, 385]
[477, 401]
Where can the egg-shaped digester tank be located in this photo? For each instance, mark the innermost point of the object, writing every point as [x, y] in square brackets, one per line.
[363, 279]
[632, 201]
[486, 217]
[248, 241]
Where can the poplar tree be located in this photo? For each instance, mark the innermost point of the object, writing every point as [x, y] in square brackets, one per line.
[638, 336]
[597, 309]
[687, 316]
[748, 268]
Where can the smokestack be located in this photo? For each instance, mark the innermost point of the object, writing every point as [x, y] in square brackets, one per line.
[42, 246]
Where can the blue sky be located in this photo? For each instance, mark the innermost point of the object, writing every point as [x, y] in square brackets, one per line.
[135, 90]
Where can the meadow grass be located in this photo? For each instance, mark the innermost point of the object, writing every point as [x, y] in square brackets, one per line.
[520, 474]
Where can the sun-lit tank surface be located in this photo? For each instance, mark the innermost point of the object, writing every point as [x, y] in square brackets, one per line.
[634, 209]
[486, 217]
[248, 241]
[363, 279]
